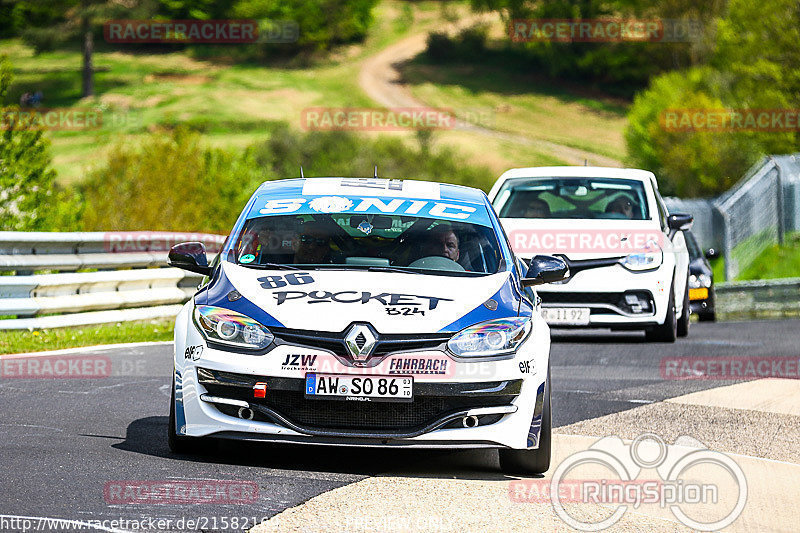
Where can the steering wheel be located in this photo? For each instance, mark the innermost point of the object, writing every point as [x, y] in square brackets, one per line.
[437, 262]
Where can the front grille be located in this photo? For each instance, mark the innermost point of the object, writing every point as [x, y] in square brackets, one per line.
[385, 344]
[610, 298]
[286, 397]
[387, 416]
[643, 302]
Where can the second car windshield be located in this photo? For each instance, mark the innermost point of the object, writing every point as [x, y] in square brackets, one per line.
[361, 241]
[586, 198]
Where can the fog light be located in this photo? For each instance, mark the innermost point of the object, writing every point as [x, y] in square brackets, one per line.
[260, 390]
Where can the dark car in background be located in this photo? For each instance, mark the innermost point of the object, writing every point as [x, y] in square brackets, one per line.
[701, 280]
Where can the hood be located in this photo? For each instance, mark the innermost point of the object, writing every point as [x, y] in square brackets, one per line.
[330, 300]
[580, 238]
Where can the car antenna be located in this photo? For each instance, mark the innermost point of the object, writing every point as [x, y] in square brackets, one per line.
[301, 171]
[375, 174]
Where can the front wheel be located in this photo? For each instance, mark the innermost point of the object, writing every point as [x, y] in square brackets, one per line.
[683, 321]
[532, 461]
[668, 331]
[177, 443]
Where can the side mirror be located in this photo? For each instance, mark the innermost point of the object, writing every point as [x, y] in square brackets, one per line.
[545, 269]
[711, 253]
[190, 256]
[680, 222]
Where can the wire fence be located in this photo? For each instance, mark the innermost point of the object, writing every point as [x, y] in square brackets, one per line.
[752, 215]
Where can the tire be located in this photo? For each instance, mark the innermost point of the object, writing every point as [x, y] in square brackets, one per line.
[707, 317]
[668, 331]
[536, 461]
[683, 321]
[178, 444]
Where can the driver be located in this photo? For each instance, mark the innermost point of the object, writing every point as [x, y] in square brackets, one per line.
[621, 205]
[441, 241]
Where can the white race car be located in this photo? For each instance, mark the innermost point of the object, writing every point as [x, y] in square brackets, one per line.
[627, 255]
[365, 312]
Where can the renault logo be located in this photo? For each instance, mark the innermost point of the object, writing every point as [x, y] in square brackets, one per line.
[360, 341]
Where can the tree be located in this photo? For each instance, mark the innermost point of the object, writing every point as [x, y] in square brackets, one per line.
[57, 23]
[29, 199]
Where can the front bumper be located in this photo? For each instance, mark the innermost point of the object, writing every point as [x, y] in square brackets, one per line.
[616, 298]
[504, 396]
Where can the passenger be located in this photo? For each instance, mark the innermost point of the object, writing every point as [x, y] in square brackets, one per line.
[314, 246]
[537, 208]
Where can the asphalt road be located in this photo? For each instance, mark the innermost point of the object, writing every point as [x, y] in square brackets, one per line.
[63, 440]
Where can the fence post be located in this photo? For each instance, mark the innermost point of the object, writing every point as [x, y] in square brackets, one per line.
[727, 248]
[781, 207]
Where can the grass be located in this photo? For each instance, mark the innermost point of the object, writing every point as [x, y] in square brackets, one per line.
[230, 103]
[776, 261]
[233, 102]
[521, 101]
[73, 337]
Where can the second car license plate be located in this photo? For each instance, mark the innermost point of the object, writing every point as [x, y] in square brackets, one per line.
[364, 388]
[566, 316]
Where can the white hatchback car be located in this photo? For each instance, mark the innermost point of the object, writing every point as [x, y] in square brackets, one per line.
[365, 312]
[627, 255]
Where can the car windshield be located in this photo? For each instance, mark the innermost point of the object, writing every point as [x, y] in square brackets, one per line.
[584, 198]
[691, 245]
[368, 242]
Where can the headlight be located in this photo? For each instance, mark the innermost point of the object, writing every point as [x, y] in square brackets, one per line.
[490, 339]
[649, 259]
[231, 328]
[697, 282]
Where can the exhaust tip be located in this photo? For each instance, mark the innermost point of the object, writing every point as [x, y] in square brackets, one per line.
[245, 413]
[470, 421]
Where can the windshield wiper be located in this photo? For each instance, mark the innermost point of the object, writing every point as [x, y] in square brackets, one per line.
[400, 270]
[271, 266]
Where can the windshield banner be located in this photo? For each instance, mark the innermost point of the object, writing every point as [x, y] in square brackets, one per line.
[451, 210]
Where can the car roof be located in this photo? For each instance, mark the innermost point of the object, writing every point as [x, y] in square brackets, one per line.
[372, 187]
[578, 172]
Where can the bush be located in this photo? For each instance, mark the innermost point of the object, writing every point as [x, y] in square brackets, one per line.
[468, 45]
[169, 182]
[687, 163]
[346, 154]
[172, 182]
[29, 197]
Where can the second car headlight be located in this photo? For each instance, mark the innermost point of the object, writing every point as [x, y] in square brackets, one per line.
[493, 338]
[230, 328]
[701, 281]
[648, 259]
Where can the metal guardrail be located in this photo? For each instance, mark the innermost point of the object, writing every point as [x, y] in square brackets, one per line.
[107, 295]
[758, 299]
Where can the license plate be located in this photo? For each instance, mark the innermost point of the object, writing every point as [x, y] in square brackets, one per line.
[566, 316]
[363, 388]
[698, 294]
